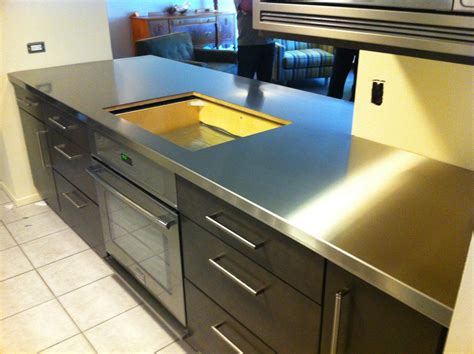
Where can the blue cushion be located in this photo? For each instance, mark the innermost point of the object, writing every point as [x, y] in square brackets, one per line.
[307, 58]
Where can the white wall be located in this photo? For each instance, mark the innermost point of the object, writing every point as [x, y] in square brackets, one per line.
[119, 12]
[74, 31]
[428, 106]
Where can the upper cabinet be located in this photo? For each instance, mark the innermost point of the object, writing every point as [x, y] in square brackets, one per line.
[439, 29]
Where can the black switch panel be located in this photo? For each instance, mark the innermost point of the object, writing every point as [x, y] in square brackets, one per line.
[377, 92]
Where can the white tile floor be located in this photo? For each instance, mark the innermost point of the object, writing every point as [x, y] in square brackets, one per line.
[58, 296]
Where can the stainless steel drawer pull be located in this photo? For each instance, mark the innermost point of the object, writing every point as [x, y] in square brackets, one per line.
[235, 279]
[38, 138]
[224, 338]
[27, 101]
[54, 120]
[59, 148]
[235, 235]
[336, 320]
[73, 202]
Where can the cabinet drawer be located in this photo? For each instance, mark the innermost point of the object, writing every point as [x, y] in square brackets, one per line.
[71, 161]
[29, 101]
[215, 331]
[80, 213]
[158, 28]
[282, 256]
[193, 21]
[66, 124]
[282, 317]
[201, 34]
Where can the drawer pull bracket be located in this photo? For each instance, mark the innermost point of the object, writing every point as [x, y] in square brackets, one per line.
[225, 339]
[55, 121]
[73, 202]
[233, 234]
[59, 148]
[235, 279]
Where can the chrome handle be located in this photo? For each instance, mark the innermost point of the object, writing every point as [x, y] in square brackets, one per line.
[38, 138]
[73, 202]
[233, 233]
[235, 279]
[165, 221]
[54, 120]
[27, 101]
[59, 148]
[336, 320]
[225, 339]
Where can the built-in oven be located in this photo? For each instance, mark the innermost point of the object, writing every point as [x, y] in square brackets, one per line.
[142, 234]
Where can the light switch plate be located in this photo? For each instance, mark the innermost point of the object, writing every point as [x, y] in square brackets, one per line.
[36, 47]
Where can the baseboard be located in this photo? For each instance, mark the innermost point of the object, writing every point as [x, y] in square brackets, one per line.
[20, 201]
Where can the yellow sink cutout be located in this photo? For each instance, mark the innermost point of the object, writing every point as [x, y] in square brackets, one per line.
[196, 122]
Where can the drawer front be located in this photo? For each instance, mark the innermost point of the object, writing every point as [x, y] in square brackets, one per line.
[282, 317]
[193, 21]
[212, 330]
[201, 34]
[156, 179]
[71, 161]
[158, 28]
[280, 255]
[80, 213]
[67, 125]
[29, 101]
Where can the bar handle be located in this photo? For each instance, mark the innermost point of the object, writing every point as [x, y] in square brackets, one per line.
[77, 205]
[165, 221]
[241, 239]
[337, 319]
[59, 148]
[234, 278]
[225, 339]
[54, 120]
[38, 138]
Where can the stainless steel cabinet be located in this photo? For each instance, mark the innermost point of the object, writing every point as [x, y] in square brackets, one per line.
[36, 139]
[358, 318]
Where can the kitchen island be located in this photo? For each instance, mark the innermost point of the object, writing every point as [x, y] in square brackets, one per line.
[396, 220]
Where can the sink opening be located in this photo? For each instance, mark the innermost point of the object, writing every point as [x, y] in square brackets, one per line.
[196, 122]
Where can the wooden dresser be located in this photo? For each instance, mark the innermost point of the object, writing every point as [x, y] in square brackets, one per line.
[208, 29]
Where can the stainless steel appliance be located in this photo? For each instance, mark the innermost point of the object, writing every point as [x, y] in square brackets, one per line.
[141, 232]
[445, 27]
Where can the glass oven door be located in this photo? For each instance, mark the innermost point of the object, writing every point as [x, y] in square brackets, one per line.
[142, 234]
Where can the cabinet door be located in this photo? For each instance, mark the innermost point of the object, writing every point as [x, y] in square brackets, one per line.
[36, 140]
[366, 320]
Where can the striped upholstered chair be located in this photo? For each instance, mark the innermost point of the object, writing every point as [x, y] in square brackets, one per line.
[300, 61]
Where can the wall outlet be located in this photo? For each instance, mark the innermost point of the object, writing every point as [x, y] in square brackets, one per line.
[36, 47]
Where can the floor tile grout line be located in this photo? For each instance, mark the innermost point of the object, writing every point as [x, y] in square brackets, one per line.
[29, 308]
[111, 318]
[55, 297]
[65, 310]
[59, 259]
[62, 259]
[83, 286]
[77, 334]
[38, 238]
[26, 217]
[167, 345]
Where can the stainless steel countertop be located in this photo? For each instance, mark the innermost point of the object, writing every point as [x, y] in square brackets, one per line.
[399, 221]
